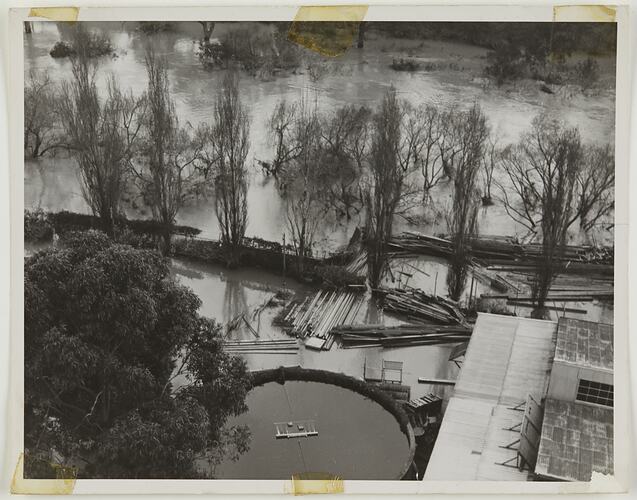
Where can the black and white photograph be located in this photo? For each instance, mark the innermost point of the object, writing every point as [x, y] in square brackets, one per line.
[347, 250]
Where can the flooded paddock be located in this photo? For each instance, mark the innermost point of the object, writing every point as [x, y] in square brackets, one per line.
[358, 77]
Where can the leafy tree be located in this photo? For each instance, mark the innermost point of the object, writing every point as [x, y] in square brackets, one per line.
[123, 378]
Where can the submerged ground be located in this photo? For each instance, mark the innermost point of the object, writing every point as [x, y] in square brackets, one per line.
[358, 77]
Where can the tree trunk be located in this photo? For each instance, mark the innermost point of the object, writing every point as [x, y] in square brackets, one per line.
[361, 34]
[208, 26]
[108, 224]
[28, 27]
[167, 237]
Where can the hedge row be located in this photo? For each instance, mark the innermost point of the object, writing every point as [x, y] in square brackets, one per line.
[71, 221]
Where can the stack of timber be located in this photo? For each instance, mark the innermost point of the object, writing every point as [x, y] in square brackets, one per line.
[314, 318]
[563, 289]
[429, 403]
[358, 264]
[270, 346]
[353, 336]
[419, 306]
[503, 251]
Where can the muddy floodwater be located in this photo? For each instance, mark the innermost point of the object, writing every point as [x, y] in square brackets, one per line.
[358, 77]
[357, 438]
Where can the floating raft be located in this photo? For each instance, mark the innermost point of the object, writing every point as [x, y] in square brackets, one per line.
[314, 318]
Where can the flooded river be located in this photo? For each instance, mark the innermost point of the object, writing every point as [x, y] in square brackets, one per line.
[358, 77]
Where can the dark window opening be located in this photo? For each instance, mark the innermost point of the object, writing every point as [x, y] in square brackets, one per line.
[595, 392]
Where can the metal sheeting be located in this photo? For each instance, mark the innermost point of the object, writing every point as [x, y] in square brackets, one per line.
[507, 358]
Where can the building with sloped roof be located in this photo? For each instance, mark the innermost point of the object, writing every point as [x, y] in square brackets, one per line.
[533, 401]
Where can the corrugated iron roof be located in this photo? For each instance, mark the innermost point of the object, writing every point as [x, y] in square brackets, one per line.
[507, 359]
[577, 438]
[585, 343]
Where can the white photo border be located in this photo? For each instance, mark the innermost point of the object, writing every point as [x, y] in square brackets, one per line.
[408, 11]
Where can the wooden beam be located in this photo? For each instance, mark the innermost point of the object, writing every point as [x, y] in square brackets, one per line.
[436, 381]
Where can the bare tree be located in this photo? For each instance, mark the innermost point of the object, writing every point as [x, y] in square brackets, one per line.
[100, 135]
[344, 144]
[167, 172]
[303, 194]
[231, 144]
[469, 132]
[543, 170]
[385, 184]
[208, 27]
[433, 130]
[281, 129]
[41, 127]
[595, 184]
[490, 162]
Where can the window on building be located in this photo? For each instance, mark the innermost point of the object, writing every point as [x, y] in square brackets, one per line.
[595, 392]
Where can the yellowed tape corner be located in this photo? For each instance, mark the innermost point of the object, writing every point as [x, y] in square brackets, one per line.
[584, 13]
[354, 13]
[315, 483]
[328, 30]
[62, 486]
[56, 13]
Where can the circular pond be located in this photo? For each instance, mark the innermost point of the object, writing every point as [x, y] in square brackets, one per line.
[321, 428]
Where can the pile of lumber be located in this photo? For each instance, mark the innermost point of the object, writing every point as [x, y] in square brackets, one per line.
[318, 314]
[352, 336]
[270, 346]
[503, 250]
[563, 289]
[358, 264]
[416, 305]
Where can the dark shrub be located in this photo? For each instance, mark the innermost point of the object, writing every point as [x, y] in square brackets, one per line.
[587, 72]
[404, 65]
[152, 27]
[338, 276]
[505, 63]
[62, 49]
[37, 226]
[98, 45]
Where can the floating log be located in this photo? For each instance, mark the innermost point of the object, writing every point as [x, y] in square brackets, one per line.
[436, 381]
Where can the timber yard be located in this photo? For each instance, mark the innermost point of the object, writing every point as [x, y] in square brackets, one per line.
[396, 264]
